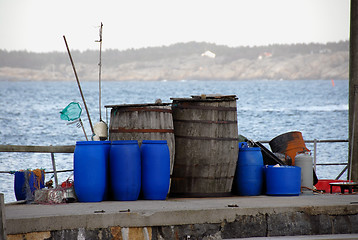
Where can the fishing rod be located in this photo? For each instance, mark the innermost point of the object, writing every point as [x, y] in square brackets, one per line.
[100, 128]
[79, 85]
[100, 68]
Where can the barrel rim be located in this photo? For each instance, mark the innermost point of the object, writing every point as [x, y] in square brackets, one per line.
[249, 149]
[139, 130]
[204, 100]
[287, 133]
[280, 167]
[92, 142]
[154, 142]
[137, 105]
[123, 142]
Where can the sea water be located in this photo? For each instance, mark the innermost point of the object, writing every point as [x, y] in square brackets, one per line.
[30, 115]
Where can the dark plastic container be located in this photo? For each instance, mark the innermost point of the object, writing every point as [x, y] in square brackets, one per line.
[289, 144]
[21, 190]
[125, 170]
[249, 170]
[283, 180]
[155, 169]
[91, 170]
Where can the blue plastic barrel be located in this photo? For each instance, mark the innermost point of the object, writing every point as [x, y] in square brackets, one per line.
[91, 170]
[249, 170]
[125, 170]
[22, 189]
[283, 180]
[155, 169]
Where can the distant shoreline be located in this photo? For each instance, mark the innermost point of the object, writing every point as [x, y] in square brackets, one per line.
[182, 80]
[190, 61]
[300, 67]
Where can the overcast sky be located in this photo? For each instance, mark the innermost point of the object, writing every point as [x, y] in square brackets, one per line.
[38, 25]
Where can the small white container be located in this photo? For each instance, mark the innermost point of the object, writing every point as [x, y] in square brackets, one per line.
[305, 162]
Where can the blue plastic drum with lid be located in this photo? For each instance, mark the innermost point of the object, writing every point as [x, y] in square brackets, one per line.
[125, 170]
[249, 170]
[91, 170]
[283, 180]
[155, 169]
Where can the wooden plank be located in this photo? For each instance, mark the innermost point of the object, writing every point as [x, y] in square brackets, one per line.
[38, 149]
[2, 217]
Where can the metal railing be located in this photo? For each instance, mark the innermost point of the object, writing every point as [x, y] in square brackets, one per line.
[315, 164]
[315, 141]
[41, 149]
[70, 149]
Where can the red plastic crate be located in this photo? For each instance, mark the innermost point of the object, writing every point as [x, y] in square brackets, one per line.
[323, 185]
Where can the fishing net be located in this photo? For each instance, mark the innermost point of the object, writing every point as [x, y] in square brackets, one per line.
[71, 112]
[65, 193]
[50, 196]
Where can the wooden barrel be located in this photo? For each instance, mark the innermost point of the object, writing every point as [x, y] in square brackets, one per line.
[143, 122]
[206, 146]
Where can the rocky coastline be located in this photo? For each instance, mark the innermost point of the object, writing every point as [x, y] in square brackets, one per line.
[194, 66]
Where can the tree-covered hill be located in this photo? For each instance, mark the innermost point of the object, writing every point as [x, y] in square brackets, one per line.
[192, 60]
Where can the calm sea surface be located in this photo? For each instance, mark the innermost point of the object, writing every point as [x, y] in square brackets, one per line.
[29, 115]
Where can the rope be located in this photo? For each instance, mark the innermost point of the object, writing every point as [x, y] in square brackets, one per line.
[314, 190]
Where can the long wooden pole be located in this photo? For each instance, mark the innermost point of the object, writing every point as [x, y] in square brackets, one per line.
[83, 128]
[351, 154]
[353, 86]
[2, 218]
[79, 85]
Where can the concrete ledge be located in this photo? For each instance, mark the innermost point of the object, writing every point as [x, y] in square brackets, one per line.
[231, 217]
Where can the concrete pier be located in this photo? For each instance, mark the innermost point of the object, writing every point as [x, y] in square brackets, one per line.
[187, 218]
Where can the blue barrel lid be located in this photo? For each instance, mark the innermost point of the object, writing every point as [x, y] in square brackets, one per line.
[250, 149]
[243, 146]
[154, 142]
[281, 167]
[124, 142]
[92, 142]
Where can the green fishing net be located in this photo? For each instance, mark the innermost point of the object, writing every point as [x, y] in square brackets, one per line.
[71, 112]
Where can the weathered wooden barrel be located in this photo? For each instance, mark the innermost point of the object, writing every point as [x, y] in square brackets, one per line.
[206, 146]
[143, 122]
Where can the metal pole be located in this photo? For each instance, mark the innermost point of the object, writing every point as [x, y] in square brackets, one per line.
[100, 69]
[315, 154]
[54, 168]
[106, 116]
[78, 83]
[342, 172]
